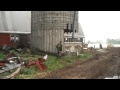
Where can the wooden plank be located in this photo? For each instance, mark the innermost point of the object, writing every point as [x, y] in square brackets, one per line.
[13, 74]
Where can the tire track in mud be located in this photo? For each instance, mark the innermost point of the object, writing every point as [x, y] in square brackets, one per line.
[107, 65]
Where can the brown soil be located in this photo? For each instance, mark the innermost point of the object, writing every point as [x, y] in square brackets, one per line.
[104, 64]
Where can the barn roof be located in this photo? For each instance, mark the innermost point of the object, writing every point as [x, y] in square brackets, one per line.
[15, 22]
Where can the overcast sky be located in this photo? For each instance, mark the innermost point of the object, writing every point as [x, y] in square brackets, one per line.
[99, 25]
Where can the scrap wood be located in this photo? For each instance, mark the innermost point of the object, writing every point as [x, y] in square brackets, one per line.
[10, 55]
[2, 63]
[13, 74]
[11, 58]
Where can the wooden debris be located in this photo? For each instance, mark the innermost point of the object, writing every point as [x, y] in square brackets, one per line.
[11, 76]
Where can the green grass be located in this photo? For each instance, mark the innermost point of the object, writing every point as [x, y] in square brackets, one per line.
[4, 74]
[52, 64]
[27, 73]
[1, 55]
[55, 64]
[85, 55]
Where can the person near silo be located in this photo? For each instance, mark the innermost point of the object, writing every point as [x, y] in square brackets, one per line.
[100, 46]
[59, 49]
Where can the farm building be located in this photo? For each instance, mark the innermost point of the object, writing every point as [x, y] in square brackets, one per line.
[43, 29]
[13, 25]
[50, 27]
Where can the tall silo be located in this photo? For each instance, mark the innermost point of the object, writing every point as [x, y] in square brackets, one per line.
[47, 28]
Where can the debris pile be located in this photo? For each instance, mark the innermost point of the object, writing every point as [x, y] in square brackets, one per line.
[6, 49]
[12, 61]
[24, 50]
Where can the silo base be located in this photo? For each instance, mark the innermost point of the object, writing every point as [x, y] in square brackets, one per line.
[40, 52]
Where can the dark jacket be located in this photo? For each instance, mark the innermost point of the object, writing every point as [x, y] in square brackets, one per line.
[59, 47]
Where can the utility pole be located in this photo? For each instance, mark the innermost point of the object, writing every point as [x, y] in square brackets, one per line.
[82, 45]
[73, 27]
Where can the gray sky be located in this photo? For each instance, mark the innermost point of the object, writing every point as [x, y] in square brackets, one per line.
[99, 25]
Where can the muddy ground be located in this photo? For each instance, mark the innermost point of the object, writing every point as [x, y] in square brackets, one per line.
[105, 63]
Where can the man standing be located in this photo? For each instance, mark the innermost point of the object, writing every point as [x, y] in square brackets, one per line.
[59, 49]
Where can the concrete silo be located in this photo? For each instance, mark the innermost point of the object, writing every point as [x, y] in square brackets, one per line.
[47, 29]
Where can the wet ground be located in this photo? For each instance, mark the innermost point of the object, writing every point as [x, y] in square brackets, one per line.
[114, 77]
[105, 65]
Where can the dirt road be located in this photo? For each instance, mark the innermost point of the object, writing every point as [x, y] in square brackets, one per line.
[106, 64]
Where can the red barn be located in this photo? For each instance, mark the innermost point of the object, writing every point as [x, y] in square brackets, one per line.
[12, 25]
[5, 39]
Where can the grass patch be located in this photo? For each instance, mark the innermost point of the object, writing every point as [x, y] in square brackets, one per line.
[85, 55]
[27, 73]
[52, 64]
[4, 74]
[55, 64]
[2, 55]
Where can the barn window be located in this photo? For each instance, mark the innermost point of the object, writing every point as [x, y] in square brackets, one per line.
[14, 38]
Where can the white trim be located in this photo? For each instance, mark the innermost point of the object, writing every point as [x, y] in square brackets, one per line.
[72, 42]
[15, 32]
[74, 37]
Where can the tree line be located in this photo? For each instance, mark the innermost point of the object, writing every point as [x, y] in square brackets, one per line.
[113, 41]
